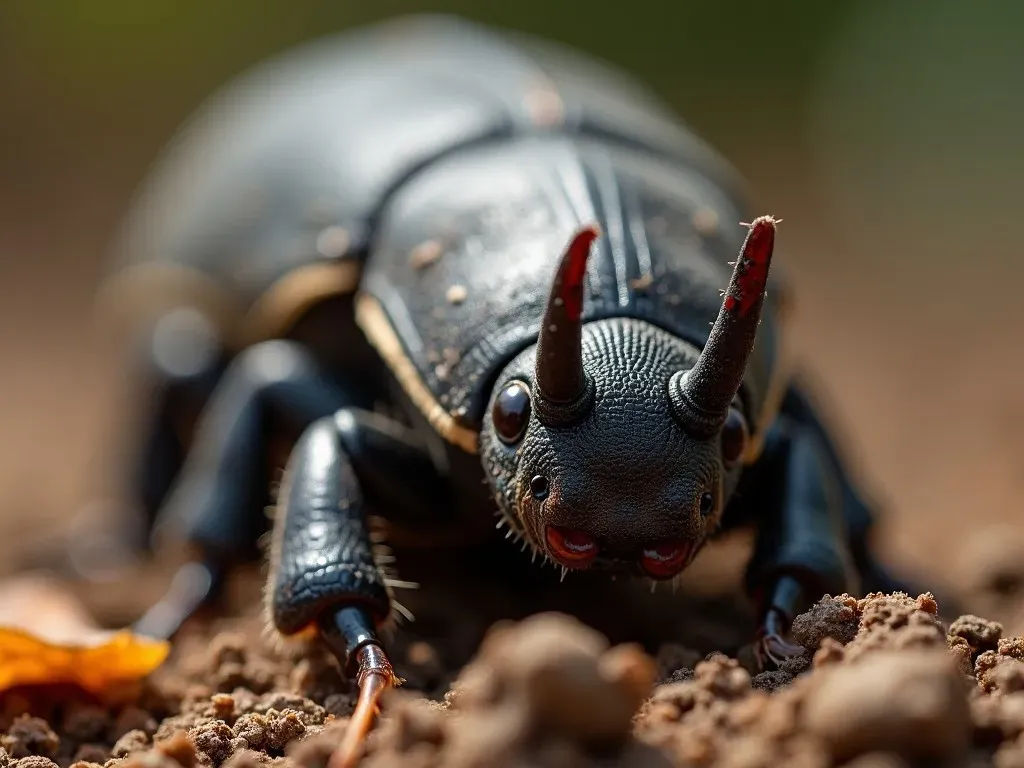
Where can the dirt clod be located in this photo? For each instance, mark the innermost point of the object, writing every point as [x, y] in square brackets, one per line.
[30, 736]
[889, 702]
[87, 723]
[92, 753]
[270, 732]
[980, 634]
[33, 761]
[673, 658]
[133, 741]
[248, 758]
[180, 749]
[215, 742]
[771, 681]
[834, 618]
[545, 691]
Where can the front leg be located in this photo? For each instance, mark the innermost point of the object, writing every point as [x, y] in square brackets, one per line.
[801, 550]
[216, 506]
[323, 574]
[860, 515]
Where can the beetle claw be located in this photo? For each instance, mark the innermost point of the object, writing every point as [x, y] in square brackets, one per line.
[374, 678]
[771, 645]
[776, 649]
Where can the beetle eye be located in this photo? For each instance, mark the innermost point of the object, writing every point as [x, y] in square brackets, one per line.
[734, 437]
[511, 412]
[707, 503]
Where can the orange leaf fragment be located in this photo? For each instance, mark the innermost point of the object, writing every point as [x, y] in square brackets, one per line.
[47, 638]
[26, 659]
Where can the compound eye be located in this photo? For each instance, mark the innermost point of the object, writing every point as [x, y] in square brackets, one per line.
[734, 437]
[707, 503]
[511, 412]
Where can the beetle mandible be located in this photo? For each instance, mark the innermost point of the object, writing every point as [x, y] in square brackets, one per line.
[432, 255]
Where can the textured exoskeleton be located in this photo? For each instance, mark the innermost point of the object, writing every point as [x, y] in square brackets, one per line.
[428, 256]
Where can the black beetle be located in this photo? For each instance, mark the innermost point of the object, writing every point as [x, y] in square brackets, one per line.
[433, 255]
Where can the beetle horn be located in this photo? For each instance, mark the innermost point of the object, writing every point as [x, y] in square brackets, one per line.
[702, 395]
[562, 384]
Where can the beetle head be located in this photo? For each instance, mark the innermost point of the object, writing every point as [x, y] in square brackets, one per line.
[615, 444]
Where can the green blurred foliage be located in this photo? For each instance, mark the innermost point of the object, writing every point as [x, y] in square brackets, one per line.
[116, 62]
[664, 40]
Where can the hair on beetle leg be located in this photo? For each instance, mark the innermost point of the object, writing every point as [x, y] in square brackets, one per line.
[264, 543]
[384, 560]
[398, 617]
[277, 641]
[378, 528]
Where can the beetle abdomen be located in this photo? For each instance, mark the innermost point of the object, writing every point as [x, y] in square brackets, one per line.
[285, 168]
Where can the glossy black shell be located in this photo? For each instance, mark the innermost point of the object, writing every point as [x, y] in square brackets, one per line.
[438, 167]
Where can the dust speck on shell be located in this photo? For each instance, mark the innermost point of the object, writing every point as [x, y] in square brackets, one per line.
[456, 294]
[705, 221]
[425, 254]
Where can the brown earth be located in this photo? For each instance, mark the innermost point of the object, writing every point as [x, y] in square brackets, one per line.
[514, 667]
[882, 682]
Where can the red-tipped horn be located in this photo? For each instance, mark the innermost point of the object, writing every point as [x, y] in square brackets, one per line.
[702, 395]
[560, 379]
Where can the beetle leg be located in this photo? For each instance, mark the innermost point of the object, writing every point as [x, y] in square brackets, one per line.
[771, 644]
[191, 588]
[217, 502]
[349, 635]
[177, 361]
[182, 357]
[801, 551]
[858, 514]
[323, 573]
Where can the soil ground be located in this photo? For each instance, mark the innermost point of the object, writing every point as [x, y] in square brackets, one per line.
[882, 682]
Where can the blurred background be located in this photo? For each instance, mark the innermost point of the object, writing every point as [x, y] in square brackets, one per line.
[887, 136]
